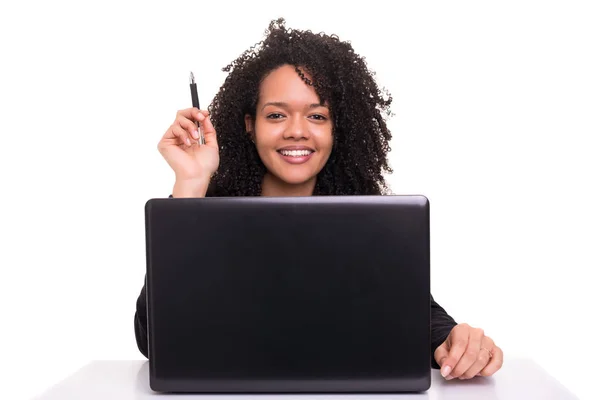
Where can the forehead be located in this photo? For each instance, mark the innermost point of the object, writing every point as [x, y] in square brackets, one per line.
[285, 85]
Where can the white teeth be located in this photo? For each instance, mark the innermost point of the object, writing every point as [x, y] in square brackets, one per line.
[295, 153]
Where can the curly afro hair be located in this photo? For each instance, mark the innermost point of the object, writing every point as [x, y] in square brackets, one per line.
[340, 77]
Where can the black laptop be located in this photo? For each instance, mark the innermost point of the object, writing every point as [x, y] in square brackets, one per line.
[321, 294]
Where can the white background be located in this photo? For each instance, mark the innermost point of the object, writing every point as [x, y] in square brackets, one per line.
[496, 121]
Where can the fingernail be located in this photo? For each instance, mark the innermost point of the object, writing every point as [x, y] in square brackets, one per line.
[187, 140]
[446, 370]
[201, 116]
[449, 377]
[195, 134]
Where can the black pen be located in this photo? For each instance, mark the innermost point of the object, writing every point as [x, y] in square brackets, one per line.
[196, 103]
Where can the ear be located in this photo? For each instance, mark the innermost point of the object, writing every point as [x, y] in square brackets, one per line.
[249, 126]
[249, 123]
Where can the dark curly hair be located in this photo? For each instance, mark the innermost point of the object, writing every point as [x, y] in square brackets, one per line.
[340, 77]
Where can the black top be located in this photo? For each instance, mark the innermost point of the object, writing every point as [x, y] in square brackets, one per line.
[441, 323]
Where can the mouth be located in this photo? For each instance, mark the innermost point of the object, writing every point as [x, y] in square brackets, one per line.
[297, 155]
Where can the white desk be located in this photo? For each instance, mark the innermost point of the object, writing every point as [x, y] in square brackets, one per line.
[128, 380]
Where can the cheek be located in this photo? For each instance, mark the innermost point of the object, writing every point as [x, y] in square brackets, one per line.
[265, 141]
[325, 139]
[266, 134]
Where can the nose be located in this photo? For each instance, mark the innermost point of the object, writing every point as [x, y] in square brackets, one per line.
[297, 128]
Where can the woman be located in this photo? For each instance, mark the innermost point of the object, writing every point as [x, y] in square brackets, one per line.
[300, 114]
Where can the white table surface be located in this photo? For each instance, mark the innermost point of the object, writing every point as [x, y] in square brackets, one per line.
[125, 380]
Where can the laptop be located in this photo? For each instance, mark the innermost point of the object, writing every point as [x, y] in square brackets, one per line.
[320, 294]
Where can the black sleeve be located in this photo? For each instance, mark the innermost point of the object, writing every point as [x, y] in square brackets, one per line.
[441, 325]
[140, 322]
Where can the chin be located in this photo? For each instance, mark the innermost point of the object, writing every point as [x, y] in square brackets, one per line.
[295, 179]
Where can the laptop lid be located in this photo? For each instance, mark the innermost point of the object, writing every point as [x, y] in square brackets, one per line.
[273, 294]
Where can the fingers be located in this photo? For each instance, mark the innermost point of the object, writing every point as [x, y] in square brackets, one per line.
[184, 130]
[495, 363]
[483, 359]
[458, 339]
[174, 136]
[471, 353]
[467, 353]
[187, 120]
[441, 355]
[189, 126]
[182, 135]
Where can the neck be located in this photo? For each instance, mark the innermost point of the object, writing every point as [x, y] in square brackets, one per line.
[271, 187]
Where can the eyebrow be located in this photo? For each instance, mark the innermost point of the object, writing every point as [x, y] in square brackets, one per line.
[286, 105]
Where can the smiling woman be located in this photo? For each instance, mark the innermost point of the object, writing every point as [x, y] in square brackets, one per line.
[293, 90]
[300, 114]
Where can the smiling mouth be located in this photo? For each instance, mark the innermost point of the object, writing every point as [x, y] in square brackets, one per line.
[295, 153]
[296, 157]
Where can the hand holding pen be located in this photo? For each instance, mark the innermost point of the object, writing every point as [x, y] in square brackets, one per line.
[190, 148]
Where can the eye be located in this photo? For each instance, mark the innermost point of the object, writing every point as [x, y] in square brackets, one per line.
[275, 116]
[318, 117]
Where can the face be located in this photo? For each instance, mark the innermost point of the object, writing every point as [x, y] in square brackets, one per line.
[292, 131]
